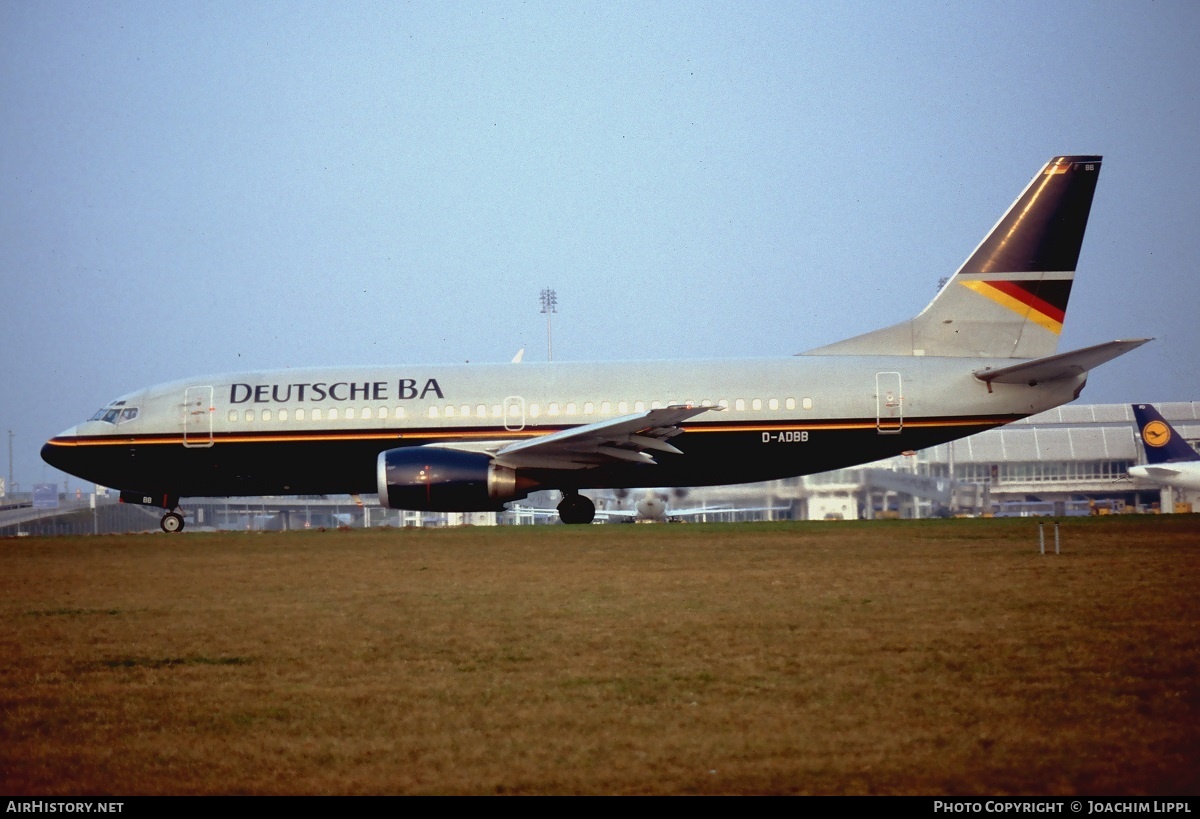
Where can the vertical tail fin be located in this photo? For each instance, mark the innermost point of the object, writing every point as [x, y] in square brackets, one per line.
[1160, 440]
[1009, 299]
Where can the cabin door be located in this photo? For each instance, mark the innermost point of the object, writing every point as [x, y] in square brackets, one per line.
[889, 404]
[198, 411]
[514, 413]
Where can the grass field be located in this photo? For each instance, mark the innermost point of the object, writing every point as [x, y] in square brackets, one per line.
[940, 657]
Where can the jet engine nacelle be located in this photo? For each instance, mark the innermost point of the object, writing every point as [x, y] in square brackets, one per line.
[444, 480]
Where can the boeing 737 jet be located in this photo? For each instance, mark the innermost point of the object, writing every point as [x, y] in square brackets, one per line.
[474, 437]
[1170, 461]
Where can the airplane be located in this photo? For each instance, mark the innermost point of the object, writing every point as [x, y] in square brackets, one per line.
[655, 507]
[474, 437]
[1170, 461]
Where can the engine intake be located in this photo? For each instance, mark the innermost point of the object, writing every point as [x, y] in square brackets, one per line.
[445, 480]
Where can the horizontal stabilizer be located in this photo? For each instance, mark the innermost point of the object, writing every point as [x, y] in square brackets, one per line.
[1061, 366]
[1161, 473]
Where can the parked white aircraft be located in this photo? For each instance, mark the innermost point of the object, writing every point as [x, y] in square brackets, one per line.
[473, 437]
[655, 507]
[1170, 461]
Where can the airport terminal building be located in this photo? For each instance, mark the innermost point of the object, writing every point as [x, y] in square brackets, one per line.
[1069, 460]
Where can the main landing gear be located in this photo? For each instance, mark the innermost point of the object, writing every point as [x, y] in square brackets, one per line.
[575, 508]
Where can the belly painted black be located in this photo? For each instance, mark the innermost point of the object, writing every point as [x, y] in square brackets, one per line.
[342, 463]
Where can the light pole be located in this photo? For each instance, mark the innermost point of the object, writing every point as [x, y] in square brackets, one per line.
[549, 301]
[10, 473]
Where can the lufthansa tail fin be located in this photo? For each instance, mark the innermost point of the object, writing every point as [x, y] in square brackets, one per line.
[1160, 440]
[1009, 298]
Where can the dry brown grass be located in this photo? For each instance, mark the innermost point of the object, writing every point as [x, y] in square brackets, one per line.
[889, 657]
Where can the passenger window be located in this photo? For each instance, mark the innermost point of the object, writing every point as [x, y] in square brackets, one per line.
[639, 406]
[481, 411]
[266, 415]
[433, 412]
[233, 415]
[333, 414]
[773, 404]
[399, 412]
[571, 408]
[790, 403]
[464, 411]
[299, 415]
[449, 412]
[552, 409]
[349, 413]
[534, 411]
[655, 405]
[383, 412]
[757, 404]
[249, 415]
[366, 413]
[316, 414]
[283, 415]
[739, 404]
[807, 403]
[497, 410]
[723, 404]
[605, 407]
[588, 407]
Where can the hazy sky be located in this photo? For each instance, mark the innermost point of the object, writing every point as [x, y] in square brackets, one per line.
[188, 188]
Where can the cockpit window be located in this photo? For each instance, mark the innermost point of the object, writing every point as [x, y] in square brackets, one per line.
[115, 413]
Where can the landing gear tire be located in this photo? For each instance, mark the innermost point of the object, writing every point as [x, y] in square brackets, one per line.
[575, 508]
[171, 522]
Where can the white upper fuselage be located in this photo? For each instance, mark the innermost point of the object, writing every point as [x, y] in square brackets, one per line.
[320, 430]
[507, 399]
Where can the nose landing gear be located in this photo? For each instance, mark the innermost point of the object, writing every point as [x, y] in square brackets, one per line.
[172, 521]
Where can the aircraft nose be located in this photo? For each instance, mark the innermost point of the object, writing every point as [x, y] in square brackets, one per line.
[54, 452]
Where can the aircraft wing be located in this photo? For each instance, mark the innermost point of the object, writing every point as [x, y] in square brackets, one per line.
[629, 439]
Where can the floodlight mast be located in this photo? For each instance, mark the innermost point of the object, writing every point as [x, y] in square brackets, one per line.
[549, 300]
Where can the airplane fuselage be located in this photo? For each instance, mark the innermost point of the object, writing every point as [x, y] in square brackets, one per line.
[319, 431]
